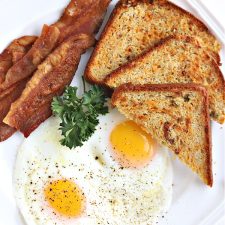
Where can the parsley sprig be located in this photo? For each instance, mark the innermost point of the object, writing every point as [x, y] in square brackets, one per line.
[79, 116]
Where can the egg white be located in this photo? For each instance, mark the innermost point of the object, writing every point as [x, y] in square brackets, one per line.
[114, 195]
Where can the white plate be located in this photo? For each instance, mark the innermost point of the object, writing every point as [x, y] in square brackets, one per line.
[193, 202]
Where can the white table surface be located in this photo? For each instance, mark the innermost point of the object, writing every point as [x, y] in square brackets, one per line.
[12, 26]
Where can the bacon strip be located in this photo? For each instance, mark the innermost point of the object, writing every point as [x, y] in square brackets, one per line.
[36, 119]
[82, 17]
[51, 78]
[79, 17]
[13, 94]
[72, 12]
[6, 131]
[11, 80]
[28, 64]
[13, 53]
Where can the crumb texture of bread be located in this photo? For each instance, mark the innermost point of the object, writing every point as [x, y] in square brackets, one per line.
[137, 25]
[176, 60]
[176, 116]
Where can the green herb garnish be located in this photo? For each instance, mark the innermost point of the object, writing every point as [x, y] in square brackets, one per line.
[79, 116]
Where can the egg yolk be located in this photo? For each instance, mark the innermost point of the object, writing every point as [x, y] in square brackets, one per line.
[132, 146]
[65, 197]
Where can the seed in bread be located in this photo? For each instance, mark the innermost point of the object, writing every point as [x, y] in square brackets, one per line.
[176, 115]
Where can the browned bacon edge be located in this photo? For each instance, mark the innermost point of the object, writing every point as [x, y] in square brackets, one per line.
[13, 53]
[17, 63]
[51, 78]
[79, 17]
[5, 104]
[28, 64]
[43, 113]
[90, 13]
[73, 11]
[6, 131]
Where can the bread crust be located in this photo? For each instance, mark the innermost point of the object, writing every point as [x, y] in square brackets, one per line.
[159, 45]
[132, 64]
[117, 96]
[200, 24]
[122, 4]
[87, 74]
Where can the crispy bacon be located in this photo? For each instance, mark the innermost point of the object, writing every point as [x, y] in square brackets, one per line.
[13, 53]
[82, 17]
[5, 64]
[28, 64]
[72, 12]
[11, 80]
[39, 116]
[51, 78]
[6, 99]
[79, 17]
[6, 131]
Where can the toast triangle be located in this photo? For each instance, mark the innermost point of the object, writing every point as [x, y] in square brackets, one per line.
[176, 59]
[176, 115]
[136, 25]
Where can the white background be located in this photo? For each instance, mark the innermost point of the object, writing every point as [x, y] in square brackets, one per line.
[15, 15]
[217, 7]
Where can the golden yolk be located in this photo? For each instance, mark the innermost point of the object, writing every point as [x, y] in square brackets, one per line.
[132, 146]
[65, 197]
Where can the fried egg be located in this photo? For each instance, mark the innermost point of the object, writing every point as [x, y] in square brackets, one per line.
[119, 176]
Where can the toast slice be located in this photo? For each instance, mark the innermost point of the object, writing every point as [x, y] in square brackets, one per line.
[176, 60]
[136, 25]
[177, 116]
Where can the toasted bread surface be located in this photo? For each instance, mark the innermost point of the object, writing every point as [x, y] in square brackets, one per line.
[176, 115]
[176, 60]
[137, 25]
